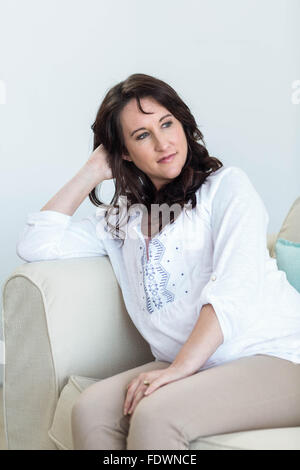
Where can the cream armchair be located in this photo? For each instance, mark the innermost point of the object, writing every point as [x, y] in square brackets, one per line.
[65, 327]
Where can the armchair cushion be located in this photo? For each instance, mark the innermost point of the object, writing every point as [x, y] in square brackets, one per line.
[288, 260]
[60, 431]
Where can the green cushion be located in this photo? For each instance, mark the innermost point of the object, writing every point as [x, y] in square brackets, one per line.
[288, 260]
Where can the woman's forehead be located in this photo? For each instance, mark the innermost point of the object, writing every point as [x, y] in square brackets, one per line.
[131, 116]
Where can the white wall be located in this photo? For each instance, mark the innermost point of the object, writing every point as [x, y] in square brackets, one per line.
[233, 62]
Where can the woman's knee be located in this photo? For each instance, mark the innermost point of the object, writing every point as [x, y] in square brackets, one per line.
[88, 405]
[149, 410]
[153, 426]
[99, 402]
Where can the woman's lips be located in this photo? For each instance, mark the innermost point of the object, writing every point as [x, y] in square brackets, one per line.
[167, 159]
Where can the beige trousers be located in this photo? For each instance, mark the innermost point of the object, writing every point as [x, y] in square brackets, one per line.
[253, 392]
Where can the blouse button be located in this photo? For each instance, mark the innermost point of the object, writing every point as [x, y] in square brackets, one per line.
[213, 278]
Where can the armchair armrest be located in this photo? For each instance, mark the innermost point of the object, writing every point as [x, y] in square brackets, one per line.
[61, 318]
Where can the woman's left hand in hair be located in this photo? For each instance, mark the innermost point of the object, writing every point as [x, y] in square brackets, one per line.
[136, 389]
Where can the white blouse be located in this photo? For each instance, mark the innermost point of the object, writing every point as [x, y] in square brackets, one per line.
[215, 253]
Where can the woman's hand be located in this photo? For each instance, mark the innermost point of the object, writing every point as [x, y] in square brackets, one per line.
[136, 389]
[99, 162]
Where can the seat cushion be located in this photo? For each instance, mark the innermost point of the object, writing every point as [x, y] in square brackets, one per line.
[265, 439]
[61, 431]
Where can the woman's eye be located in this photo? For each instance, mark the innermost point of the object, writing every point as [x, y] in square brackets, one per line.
[141, 135]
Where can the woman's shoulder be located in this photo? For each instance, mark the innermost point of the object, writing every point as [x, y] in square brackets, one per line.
[228, 171]
[234, 175]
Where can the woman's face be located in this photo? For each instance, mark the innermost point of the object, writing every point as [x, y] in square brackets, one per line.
[162, 135]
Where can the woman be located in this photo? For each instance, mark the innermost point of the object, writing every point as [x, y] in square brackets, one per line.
[222, 321]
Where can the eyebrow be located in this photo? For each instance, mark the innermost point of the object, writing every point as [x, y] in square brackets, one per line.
[141, 128]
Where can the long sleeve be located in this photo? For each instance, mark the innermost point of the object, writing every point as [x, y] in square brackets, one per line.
[239, 230]
[49, 235]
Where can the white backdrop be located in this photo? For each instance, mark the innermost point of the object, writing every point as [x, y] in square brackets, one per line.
[233, 62]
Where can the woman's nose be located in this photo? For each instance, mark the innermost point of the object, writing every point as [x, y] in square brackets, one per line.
[161, 143]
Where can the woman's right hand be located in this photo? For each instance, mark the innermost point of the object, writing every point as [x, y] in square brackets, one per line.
[99, 162]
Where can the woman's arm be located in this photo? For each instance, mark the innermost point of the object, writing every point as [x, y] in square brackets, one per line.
[52, 234]
[205, 338]
[71, 195]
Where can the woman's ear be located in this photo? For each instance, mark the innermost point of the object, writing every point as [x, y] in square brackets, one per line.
[126, 157]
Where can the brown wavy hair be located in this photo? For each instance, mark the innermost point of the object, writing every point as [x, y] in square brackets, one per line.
[132, 182]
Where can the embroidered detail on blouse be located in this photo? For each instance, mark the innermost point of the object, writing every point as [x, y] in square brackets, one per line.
[156, 277]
